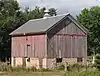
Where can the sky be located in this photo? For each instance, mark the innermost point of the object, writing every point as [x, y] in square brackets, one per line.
[63, 6]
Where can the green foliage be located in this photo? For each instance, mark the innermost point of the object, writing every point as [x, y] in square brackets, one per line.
[11, 17]
[61, 67]
[82, 73]
[4, 67]
[53, 11]
[23, 71]
[75, 67]
[89, 73]
[44, 70]
[90, 18]
[7, 68]
[97, 61]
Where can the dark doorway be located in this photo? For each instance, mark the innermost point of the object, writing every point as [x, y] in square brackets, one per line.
[58, 60]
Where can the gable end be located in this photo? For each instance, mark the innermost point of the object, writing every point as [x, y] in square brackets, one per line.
[77, 24]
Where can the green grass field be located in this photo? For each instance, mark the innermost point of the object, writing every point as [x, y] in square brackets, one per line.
[59, 73]
[72, 70]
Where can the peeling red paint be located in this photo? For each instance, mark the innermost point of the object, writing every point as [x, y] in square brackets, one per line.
[28, 46]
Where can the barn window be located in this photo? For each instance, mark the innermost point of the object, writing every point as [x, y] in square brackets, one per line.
[28, 45]
[79, 59]
[58, 60]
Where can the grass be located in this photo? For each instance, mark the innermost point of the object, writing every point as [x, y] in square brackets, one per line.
[57, 73]
[74, 70]
[32, 74]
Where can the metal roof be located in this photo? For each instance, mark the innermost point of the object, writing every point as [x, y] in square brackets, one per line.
[39, 25]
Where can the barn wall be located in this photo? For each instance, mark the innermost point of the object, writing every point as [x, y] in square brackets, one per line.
[66, 40]
[28, 46]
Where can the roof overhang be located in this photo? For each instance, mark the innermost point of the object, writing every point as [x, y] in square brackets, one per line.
[26, 34]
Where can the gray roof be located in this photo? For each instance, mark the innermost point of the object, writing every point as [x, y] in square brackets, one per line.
[38, 25]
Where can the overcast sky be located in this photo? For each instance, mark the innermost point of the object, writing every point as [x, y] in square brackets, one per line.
[63, 6]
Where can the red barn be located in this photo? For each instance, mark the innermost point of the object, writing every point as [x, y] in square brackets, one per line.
[47, 41]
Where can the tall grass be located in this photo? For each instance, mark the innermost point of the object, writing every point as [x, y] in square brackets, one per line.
[72, 70]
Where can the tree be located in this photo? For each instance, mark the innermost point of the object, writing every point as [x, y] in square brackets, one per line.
[97, 61]
[38, 12]
[8, 12]
[53, 11]
[90, 18]
[11, 17]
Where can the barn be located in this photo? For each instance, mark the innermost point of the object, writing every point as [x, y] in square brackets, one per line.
[47, 41]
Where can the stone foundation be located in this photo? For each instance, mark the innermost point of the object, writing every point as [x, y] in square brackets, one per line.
[46, 63]
[51, 63]
[19, 62]
[70, 60]
[16, 62]
[33, 62]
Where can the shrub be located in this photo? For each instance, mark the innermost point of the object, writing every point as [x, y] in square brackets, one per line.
[5, 67]
[97, 61]
[69, 68]
[19, 68]
[60, 67]
[33, 69]
[75, 67]
[44, 70]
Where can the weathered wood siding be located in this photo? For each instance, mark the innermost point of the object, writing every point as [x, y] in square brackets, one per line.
[66, 40]
[28, 46]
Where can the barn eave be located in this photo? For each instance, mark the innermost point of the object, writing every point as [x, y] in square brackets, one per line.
[32, 33]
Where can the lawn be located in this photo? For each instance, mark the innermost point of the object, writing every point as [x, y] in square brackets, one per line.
[72, 70]
[32, 74]
[59, 73]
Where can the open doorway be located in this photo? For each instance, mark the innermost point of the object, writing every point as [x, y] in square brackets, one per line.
[58, 60]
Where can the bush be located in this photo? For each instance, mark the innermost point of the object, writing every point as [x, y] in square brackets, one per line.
[60, 67]
[19, 68]
[69, 68]
[97, 61]
[5, 67]
[75, 67]
[44, 70]
[33, 69]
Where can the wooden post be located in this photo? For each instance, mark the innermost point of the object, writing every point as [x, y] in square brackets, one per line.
[66, 64]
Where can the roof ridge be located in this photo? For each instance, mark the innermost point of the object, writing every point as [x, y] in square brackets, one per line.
[49, 17]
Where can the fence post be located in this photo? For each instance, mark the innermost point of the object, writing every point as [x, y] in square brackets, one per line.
[66, 64]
